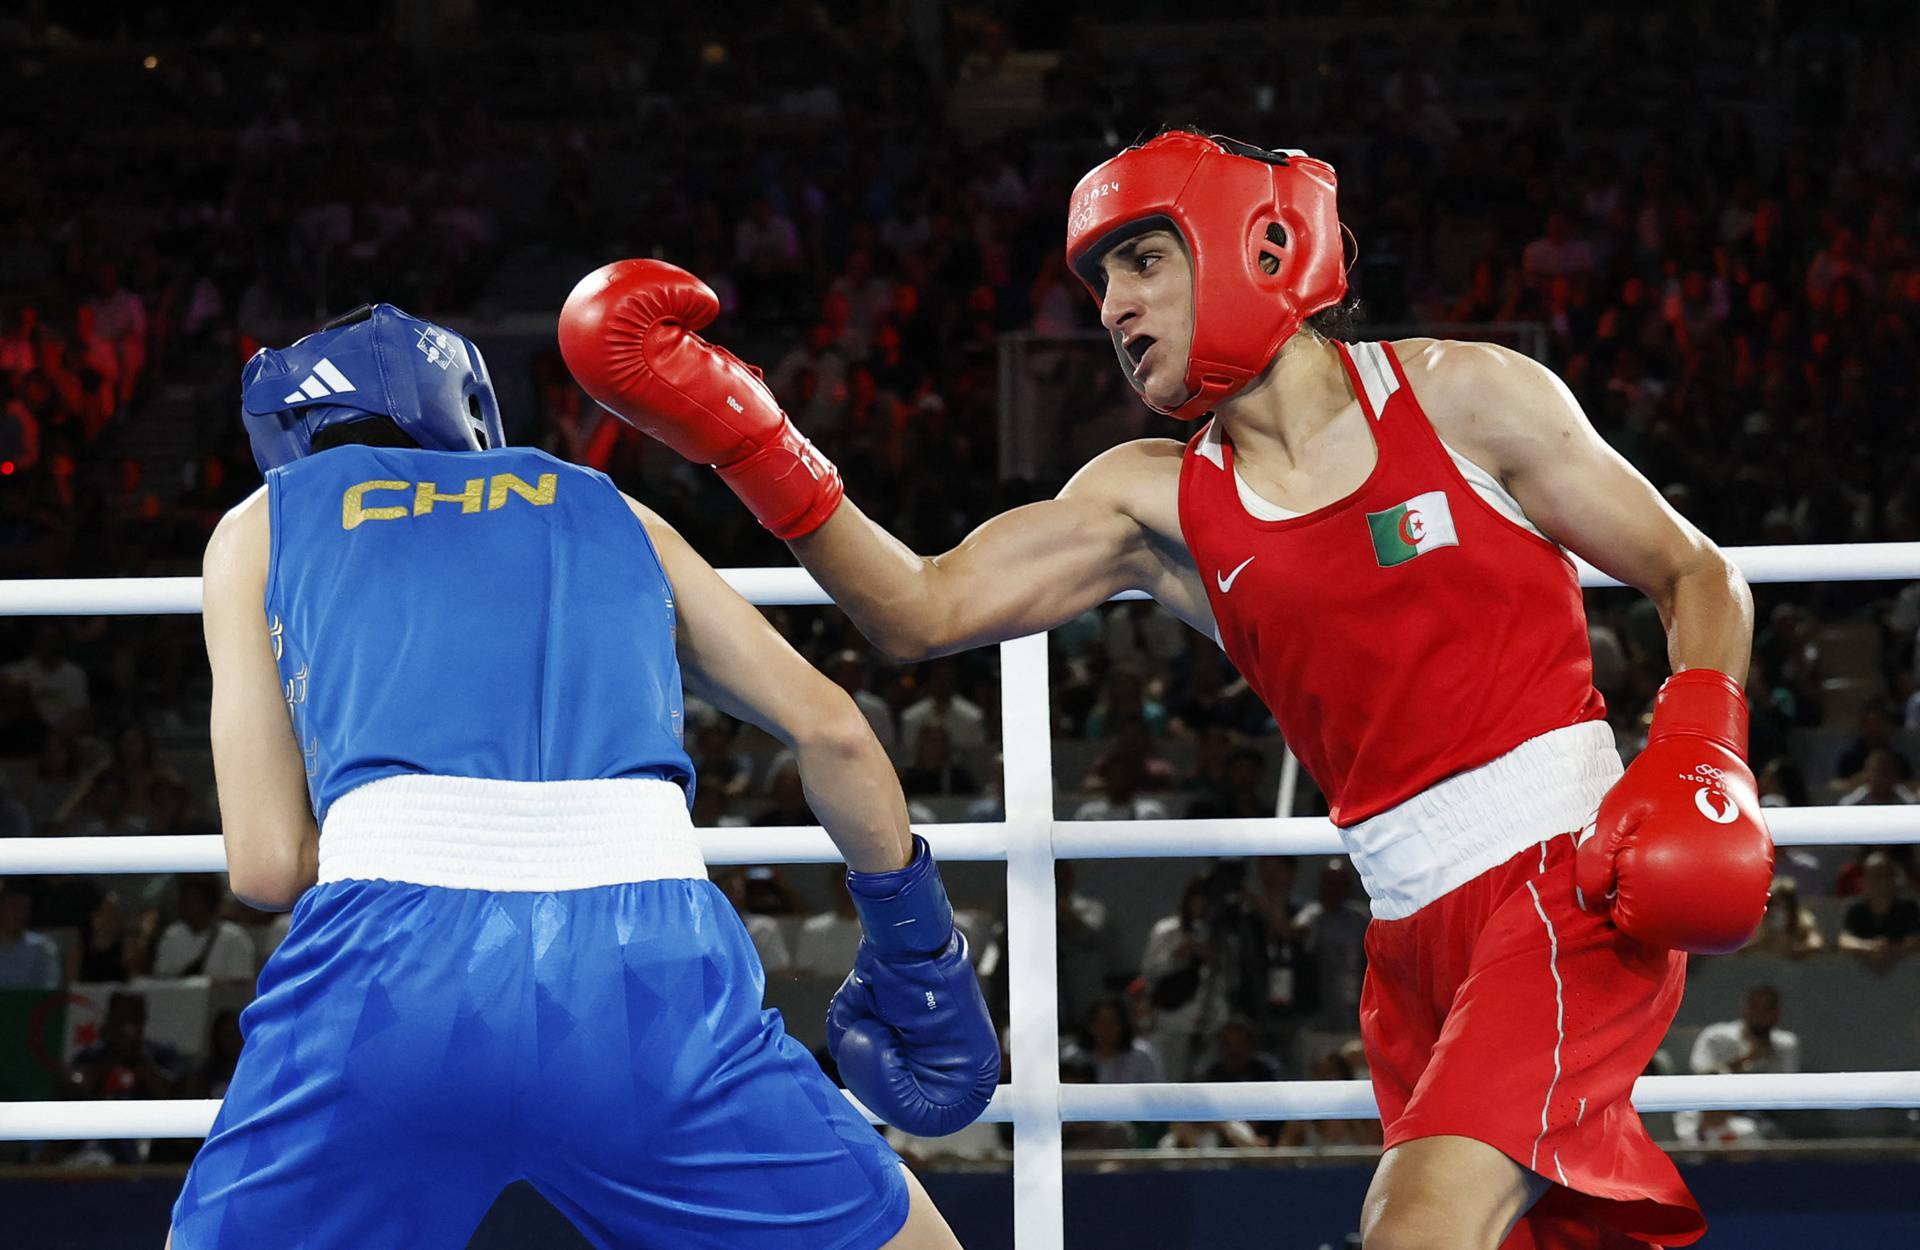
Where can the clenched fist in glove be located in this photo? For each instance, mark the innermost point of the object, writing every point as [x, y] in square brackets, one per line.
[629, 333]
[1678, 855]
[909, 1027]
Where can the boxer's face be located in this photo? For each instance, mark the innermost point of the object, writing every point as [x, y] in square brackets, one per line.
[1148, 309]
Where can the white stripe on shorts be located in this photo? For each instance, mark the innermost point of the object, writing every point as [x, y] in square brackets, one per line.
[1559, 1024]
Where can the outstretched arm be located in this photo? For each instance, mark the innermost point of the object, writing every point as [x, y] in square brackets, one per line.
[629, 332]
[731, 656]
[1114, 527]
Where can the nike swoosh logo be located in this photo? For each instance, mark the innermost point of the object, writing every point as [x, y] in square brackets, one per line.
[1226, 583]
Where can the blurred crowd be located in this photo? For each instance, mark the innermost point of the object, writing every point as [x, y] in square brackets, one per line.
[1705, 217]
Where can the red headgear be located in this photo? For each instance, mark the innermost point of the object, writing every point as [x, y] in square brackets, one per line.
[1233, 204]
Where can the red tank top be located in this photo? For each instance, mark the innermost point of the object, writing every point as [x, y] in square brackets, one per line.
[1403, 634]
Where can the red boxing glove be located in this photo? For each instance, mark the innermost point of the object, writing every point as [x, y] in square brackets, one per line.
[1678, 855]
[627, 333]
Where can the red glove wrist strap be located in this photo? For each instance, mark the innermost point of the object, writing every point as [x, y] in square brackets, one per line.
[1705, 702]
[790, 487]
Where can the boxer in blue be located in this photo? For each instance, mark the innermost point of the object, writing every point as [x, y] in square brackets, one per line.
[447, 733]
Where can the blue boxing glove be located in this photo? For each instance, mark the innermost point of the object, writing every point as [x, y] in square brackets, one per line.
[909, 1027]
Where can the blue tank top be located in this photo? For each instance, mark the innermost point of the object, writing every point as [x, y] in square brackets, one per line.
[497, 614]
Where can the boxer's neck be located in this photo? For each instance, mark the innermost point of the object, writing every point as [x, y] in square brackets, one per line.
[1293, 401]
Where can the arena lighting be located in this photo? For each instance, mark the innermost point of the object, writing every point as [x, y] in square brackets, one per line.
[1030, 840]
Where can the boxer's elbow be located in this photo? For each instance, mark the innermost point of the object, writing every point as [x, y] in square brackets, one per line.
[273, 875]
[912, 629]
[836, 729]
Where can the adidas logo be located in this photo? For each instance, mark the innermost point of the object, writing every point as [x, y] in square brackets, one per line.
[325, 380]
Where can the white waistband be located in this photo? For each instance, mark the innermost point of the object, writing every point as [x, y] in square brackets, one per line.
[471, 833]
[1453, 831]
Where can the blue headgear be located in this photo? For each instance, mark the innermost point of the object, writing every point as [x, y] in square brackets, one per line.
[376, 361]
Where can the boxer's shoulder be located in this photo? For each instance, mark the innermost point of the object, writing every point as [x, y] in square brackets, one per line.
[1139, 479]
[1485, 400]
[241, 535]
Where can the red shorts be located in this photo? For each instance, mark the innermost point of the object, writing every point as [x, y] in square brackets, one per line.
[1504, 1013]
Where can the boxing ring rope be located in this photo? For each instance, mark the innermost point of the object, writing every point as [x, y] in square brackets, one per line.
[1029, 840]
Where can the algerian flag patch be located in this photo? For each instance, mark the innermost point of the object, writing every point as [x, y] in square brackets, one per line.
[1414, 528]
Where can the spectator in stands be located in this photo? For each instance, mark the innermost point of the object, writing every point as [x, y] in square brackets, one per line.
[1851, 879]
[133, 759]
[786, 799]
[1279, 987]
[223, 1055]
[1753, 1043]
[1334, 926]
[1781, 785]
[1875, 733]
[170, 806]
[28, 960]
[849, 669]
[103, 807]
[50, 788]
[1212, 745]
[1790, 928]
[722, 768]
[1131, 739]
[828, 940]
[1076, 1069]
[1105, 1039]
[768, 940]
[1884, 923]
[14, 820]
[123, 1064]
[1223, 1135]
[200, 943]
[768, 893]
[1245, 793]
[1187, 981]
[1237, 1055]
[57, 686]
[1212, 694]
[1124, 697]
[945, 706]
[1333, 1065]
[1122, 776]
[110, 949]
[933, 771]
[1559, 253]
[1879, 783]
[1085, 947]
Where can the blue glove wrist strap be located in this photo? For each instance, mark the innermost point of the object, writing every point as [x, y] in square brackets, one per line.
[904, 912]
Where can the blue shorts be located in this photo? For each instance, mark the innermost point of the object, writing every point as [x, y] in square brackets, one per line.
[415, 1049]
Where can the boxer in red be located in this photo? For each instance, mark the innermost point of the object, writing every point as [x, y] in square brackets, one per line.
[1378, 534]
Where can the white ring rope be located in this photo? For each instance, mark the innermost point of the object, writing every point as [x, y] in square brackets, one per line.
[1028, 840]
[1247, 1100]
[1072, 839]
[147, 596]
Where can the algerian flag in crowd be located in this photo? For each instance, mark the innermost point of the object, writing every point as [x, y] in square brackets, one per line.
[1414, 528]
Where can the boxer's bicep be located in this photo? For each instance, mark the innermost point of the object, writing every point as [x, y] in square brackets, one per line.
[731, 655]
[1579, 491]
[260, 773]
[1113, 527]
